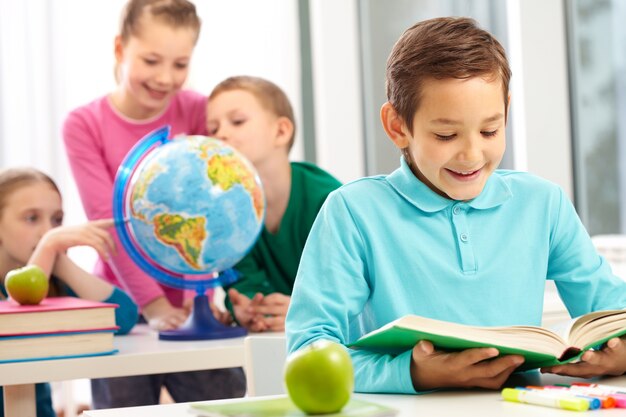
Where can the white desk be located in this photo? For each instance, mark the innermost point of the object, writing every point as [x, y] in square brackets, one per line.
[470, 403]
[140, 353]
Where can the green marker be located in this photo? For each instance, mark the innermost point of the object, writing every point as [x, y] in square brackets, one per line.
[565, 402]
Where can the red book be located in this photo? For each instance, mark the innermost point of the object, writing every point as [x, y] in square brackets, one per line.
[56, 315]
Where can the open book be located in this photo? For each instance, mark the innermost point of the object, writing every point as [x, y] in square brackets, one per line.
[540, 346]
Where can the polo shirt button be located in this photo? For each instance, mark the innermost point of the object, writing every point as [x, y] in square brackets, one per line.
[456, 210]
[464, 237]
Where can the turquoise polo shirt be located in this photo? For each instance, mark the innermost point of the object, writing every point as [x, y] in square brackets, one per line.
[386, 246]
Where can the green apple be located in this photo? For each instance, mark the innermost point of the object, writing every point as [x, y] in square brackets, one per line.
[319, 377]
[27, 285]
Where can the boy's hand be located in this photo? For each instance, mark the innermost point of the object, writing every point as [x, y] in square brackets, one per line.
[431, 369]
[261, 313]
[270, 313]
[241, 303]
[610, 360]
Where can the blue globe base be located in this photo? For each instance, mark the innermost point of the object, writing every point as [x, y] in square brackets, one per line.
[202, 325]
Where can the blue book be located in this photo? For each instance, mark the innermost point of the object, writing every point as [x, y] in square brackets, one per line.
[56, 346]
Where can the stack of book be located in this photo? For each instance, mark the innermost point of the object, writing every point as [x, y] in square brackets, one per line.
[57, 328]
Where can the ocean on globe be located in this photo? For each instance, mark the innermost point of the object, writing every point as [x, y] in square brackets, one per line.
[193, 205]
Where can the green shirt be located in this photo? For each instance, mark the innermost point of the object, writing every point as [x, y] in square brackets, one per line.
[272, 264]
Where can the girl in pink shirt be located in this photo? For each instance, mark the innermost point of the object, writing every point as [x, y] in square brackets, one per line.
[153, 52]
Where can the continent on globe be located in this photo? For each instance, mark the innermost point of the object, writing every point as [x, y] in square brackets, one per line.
[228, 170]
[141, 187]
[184, 234]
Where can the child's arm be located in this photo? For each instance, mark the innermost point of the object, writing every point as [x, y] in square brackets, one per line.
[329, 294]
[84, 284]
[586, 283]
[88, 286]
[50, 256]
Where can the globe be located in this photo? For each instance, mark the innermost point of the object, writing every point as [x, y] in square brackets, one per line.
[186, 211]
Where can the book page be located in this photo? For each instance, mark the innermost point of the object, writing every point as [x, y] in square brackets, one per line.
[564, 328]
[594, 327]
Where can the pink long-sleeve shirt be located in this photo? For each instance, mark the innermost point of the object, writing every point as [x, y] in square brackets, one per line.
[97, 138]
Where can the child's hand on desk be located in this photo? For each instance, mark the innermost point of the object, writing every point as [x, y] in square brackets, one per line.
[270, 313]
[479, 368]
[261, 313]
[161, 315]
[610, 360]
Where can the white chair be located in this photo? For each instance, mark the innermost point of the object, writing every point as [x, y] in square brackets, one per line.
[613, 249]
[265, 356]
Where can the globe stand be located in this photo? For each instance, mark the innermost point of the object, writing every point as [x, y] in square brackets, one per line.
[202, 324]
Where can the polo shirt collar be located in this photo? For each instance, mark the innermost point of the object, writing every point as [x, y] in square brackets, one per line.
[495, 193]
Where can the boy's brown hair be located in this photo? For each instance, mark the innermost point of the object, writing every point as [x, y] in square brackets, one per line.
[442, 48]
[271, 96]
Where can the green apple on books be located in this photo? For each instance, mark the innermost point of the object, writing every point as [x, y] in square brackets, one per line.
[27, 285]
[540, 346]
[58, 327]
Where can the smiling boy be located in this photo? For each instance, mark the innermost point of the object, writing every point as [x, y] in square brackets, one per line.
[447, 235]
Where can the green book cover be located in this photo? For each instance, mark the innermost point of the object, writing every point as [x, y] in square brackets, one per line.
[396, 338]
[283, 407]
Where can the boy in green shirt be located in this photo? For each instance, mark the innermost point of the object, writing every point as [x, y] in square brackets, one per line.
[254, 116]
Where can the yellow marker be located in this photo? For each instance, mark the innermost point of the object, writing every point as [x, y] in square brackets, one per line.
[565, 402]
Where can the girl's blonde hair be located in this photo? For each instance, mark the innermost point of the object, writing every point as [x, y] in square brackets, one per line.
[175, 13]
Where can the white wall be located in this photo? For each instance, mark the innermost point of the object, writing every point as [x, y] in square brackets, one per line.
[337, 88]
[539, 96]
